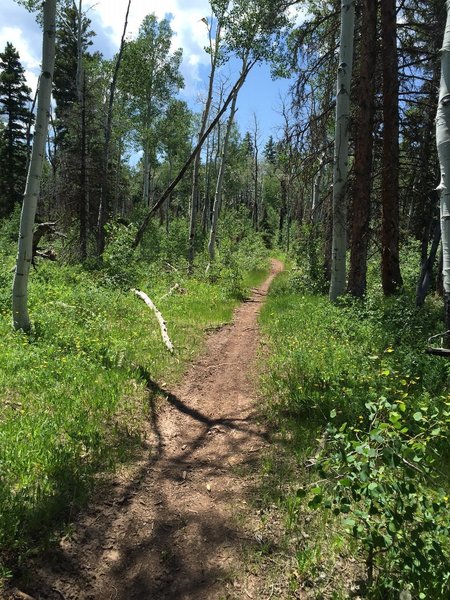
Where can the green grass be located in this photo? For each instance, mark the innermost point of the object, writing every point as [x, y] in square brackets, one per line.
[323, 357]
[74, 395]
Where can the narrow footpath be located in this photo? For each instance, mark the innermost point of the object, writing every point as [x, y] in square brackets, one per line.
[170, 531]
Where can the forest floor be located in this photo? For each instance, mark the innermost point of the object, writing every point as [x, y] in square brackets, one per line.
[177, 524]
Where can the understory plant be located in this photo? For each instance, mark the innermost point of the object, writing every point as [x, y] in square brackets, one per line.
[381, 479]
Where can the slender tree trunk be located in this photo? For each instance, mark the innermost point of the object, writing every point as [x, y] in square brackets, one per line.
[146, 188]
[195, 151]
[339, 238]
[363, 151]
[256, 207]
[315, 207]
[21, 318]
[222, 165]
[207, 204]
[84, 208]
[196, 173]
[283, 210]
[443, 146]
[391, 278]
[426, 274]
[168, 199]
[104, 203]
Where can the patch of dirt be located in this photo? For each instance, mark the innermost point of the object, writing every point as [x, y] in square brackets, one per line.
[170, 531]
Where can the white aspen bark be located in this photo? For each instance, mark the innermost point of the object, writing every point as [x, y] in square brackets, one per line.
[160, 318]
[344, 76]
[214, 49]
[223, 162]
[443, 147]
[21, 318]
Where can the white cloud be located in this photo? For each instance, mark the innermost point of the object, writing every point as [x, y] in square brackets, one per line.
[190, 32]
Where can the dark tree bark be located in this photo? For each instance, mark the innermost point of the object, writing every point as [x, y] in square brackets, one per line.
[363, 151]
[83, 196]
[426, 274]
[390, 264]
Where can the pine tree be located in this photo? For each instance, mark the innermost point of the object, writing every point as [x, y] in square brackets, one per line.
[14, 110]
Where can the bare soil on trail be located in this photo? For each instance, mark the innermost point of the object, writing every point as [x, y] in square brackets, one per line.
[169, 529]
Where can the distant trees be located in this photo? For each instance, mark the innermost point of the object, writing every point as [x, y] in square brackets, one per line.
[149, 78]
[15, 109]
[392, 164]
[122, 144]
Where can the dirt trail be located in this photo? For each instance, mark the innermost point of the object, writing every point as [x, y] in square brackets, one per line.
[170, 533]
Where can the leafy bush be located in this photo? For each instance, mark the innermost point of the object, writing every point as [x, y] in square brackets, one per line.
[378, 475]
[119, 263]
[364, 362]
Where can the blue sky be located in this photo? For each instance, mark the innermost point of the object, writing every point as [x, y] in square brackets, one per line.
[260, 95]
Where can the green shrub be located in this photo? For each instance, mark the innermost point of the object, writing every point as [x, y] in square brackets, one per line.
[380, 475]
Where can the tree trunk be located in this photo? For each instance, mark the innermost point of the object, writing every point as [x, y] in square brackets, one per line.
[146, 188]
[83, 196]
[344, 76]
[443, 147]
[105, 202]
[363, 151]
[21, 318]
[426, 273]
[195, 176]
[390, 263]
[195, 151]
[317, 187]
[223, 163]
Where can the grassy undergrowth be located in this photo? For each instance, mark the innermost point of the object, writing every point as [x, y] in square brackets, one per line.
[362, 469]
[74, 397]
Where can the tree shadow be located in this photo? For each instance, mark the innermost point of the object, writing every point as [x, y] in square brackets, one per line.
[172, 550]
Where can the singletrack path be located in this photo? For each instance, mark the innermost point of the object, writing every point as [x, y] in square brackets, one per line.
[170, 531]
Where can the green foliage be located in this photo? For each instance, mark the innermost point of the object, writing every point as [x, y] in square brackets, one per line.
[119, 266]
[74, 394]
[381, 477]
[14, 110]
[241, 250]
[380, 471]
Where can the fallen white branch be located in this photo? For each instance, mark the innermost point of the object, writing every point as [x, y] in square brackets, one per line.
[161, 321]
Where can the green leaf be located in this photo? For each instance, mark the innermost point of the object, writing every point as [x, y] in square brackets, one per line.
[417, 416]
[333, 414]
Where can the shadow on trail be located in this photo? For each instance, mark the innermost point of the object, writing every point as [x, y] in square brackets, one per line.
[168, 549]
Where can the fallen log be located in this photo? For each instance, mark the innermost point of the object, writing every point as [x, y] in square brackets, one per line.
[161, 321]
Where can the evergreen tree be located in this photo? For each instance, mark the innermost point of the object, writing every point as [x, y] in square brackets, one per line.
[65, 79]
[14, 110]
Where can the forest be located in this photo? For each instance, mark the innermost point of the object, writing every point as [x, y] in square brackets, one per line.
[224, 355]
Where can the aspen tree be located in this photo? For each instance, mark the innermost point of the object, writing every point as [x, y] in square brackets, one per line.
[21, 318]
[344, 76]
[443, 147]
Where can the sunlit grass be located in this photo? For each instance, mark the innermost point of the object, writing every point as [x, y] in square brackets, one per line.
[74, 397]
